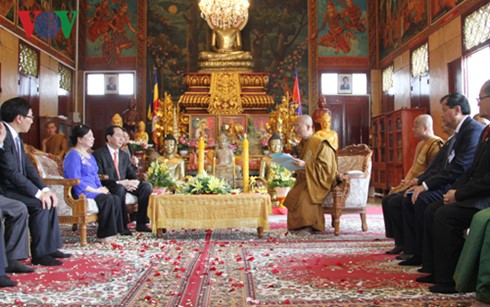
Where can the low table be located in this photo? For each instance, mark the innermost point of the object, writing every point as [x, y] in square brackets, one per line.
[209, 211]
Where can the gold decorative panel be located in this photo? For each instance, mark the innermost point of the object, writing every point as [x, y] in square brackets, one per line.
[420, 60]
[28, 61]
[477, 27]
[65, 76]
[387, 78]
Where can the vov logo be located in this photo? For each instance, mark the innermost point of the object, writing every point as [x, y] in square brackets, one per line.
[47, 24]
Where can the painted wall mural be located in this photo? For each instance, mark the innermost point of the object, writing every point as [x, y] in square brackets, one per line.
[399, 21]
[276, 35]
[111, 31]
[441, 7]
[342, 28]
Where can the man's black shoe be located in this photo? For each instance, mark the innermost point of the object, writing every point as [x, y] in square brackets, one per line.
[404, 257]
[412, 261]
[429, 279]
[424, 270]
[5, 281]
[46, 260]
[143, 228]
[126, 232]
[60, 254]
[443, 288]
[395, 250]
[15, 266]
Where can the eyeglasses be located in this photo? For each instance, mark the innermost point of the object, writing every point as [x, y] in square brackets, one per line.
[29, 116]
[481, 98]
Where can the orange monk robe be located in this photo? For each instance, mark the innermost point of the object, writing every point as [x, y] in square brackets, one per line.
[424, 153]
[57, 145]
[304, 201]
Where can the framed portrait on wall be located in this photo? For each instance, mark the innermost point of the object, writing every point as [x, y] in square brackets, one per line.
[345, 84]
[205, 126]
[111, 83]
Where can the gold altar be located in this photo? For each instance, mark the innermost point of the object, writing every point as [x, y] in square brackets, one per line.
[209, 211]
[226, 93]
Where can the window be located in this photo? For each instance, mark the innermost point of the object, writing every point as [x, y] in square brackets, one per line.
[330, 84]
[387, 79]
[477, 66]
[110, 84]
[420, 60]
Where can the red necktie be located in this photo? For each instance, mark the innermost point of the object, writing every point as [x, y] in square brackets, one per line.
[485, 133]
[116, 164]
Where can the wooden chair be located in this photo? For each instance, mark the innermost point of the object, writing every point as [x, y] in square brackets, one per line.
[351, 194]
[70, 210]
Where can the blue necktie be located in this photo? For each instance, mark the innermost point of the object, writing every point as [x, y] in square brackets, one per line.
[19, 152]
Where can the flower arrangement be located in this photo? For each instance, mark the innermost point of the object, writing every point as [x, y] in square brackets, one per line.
[279, 176]
[138, 145]
[159, 175]
[203, 184]
[185, 143]
[264, 140]
[256, 185]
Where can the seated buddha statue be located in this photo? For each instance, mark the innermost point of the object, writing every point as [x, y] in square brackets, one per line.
[326, 132]
[226, 45]
[224, 161]
[140, 134]
[275, 146]
[169, 157]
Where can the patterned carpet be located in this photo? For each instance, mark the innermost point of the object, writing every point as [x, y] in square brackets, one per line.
[232, 267]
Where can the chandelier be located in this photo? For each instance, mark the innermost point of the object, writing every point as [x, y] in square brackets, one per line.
[225, 14]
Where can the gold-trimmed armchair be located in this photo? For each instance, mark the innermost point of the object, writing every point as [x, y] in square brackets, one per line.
[351, 194]
[70, 210]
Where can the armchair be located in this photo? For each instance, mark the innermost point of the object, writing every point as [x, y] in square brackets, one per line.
[351, 194]
[70, 210]
[77, 212]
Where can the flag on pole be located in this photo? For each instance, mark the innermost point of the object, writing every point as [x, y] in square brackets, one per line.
[154, 134]
[297, 94]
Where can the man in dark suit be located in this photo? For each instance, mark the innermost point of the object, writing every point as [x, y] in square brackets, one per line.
[21, 181]
[117, 165]
[13, 214]
[455, 114]
[446, 219]
[392, 204]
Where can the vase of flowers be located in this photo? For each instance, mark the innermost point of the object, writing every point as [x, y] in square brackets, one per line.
[160, 176]
[203, 184]
[280, 181]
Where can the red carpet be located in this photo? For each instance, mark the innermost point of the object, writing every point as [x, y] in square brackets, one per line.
[232, 267]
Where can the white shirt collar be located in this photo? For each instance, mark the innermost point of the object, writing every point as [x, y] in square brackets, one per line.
[112, 150]
[12, 130]
[459, 125]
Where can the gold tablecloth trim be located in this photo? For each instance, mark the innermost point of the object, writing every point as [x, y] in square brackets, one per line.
[209, 211]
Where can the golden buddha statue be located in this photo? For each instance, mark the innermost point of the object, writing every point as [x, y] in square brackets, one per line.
[227, 53]
[117, 120]
[275, 146]
[171, 159]
[326, 132]
[321, 109]
[140, 134]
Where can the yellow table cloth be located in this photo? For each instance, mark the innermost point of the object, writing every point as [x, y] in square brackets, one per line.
[209, 211]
